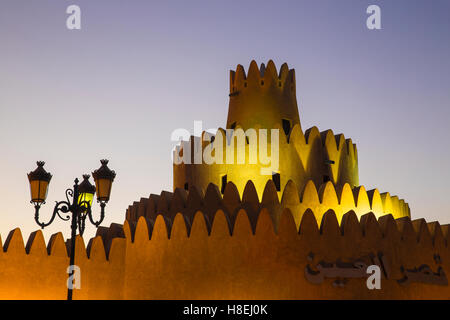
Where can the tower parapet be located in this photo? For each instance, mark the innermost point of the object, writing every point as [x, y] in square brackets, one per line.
[263, 97]
[313, 155]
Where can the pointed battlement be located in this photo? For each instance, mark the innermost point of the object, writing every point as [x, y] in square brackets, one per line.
[262, 96]
[262, 78]
[186, 245]
[318, 156]
[318, 201]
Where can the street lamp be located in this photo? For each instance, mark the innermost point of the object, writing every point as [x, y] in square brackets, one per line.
[80, 206]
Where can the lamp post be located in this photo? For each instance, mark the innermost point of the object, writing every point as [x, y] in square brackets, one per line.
[80, 206]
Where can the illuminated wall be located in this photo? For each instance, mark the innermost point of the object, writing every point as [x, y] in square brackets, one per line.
[203, 253]
[264, 99]
[319, 201]
[301, 159]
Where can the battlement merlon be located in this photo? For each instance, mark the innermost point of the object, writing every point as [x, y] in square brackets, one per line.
[263, 76]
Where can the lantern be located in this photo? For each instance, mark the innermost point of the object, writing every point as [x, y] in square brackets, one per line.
[86, 191]
[39, 180]
[104, 178]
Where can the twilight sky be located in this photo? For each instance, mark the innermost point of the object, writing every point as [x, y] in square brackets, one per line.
[139, 69]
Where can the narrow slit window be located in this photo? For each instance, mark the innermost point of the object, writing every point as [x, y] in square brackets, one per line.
[276, 180]
[224, 184]
[186, 186]
[286, 126]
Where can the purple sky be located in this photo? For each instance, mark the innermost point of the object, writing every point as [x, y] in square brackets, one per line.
[138, 70]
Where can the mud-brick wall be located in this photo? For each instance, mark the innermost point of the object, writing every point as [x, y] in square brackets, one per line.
[221, 258]
[37, 271]
[270, 264]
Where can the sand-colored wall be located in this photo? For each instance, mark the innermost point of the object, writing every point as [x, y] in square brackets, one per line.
[38, 271]
[262, 96]
[270, 264]
[234, 233]
[340, 199]
[178, 260]
[302, 157]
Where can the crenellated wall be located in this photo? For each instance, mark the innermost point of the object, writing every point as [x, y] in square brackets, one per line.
[38, 271]
[227, 258]
[326, 197]
[233, 262]
[262, 96]
[302, 157]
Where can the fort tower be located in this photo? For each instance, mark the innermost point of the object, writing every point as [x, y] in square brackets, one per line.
[263, 97]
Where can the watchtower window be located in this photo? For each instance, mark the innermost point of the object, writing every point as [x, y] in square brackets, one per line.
[186, 186]
[326, 178]
[224, 183]
[276, 180]
[286, 126]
